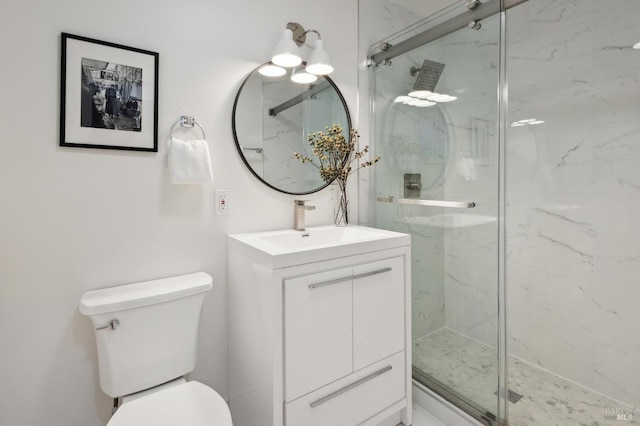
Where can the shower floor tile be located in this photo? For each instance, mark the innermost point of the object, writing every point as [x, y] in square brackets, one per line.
[470, 368]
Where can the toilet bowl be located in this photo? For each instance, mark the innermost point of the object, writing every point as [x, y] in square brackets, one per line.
[146, 336]
[189, 403]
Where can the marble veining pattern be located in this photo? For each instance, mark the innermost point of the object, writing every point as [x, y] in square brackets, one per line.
[572, 191]
[470, 368]
[572, 187]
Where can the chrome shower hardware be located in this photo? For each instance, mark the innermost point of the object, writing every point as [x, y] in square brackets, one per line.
[412, 185]
[472, 4]
[428, 75]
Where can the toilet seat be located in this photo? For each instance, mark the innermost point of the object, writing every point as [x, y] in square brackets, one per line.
[188, 404]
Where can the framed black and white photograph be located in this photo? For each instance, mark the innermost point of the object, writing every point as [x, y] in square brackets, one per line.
[109, 95]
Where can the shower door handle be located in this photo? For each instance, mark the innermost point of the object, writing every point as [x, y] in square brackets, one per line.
[429, 203]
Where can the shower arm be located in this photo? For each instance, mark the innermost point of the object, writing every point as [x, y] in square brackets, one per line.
[429, 203]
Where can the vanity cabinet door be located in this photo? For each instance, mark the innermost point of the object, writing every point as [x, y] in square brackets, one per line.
[318, 331]
[378, 311]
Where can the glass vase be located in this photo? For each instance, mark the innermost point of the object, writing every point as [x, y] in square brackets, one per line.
[342, 212]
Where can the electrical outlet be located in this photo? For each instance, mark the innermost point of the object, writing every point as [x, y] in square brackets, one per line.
[223, 202]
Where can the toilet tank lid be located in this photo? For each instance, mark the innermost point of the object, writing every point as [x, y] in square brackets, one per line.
[129, 296]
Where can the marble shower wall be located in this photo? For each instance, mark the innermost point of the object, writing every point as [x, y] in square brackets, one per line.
[573, 187]
[574, 191]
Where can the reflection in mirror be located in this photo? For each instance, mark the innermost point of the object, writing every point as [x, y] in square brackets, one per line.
[272, 118]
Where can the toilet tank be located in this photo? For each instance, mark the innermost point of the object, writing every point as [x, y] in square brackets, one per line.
[155, 339]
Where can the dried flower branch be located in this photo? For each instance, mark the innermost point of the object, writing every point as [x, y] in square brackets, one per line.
[334, 156]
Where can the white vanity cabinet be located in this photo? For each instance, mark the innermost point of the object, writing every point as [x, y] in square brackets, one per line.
[324, 343]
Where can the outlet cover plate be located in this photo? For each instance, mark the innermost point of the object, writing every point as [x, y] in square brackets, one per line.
[223, 202]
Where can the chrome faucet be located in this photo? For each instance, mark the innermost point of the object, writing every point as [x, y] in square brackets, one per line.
[298, 214]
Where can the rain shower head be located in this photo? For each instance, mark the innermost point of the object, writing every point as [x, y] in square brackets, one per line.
[428, 75]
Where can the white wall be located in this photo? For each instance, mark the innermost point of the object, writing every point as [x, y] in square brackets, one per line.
[75, 219]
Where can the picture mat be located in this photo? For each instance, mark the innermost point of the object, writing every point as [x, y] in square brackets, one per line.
[74, 133]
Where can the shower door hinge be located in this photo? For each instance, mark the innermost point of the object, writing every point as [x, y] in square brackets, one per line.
[472, 4]
[368, 62]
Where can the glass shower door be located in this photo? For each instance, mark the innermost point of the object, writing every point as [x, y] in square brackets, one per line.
[435, 115]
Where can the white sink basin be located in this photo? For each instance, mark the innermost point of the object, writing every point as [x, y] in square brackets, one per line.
[317, 237]
[287, 247]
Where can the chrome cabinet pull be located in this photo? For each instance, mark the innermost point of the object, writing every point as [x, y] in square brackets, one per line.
[326, 283]
[368, 274]
[352, 277]
[340, 391]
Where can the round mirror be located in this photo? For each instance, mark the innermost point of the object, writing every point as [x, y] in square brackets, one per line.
[272, 119]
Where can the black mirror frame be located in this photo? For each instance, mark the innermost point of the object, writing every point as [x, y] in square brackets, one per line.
[239, 147]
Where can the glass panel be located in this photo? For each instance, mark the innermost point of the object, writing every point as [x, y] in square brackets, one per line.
[445, 148]
[573, 191]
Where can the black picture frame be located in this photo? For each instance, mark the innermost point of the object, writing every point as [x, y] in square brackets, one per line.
[108, 95]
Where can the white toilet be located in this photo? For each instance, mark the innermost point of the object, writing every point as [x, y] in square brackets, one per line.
[146, 334]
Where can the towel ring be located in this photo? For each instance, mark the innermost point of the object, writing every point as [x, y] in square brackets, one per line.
[186, 121]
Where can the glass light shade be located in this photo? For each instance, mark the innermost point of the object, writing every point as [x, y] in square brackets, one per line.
[272, 71]
[402, 99]
[414, 101]
[446, 98]
[423, 94]
[299, 75]
[636, 46]
[424, 104]
[286, 54]
[319, 62]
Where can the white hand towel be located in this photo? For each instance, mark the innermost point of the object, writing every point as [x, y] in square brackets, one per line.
[189, 161]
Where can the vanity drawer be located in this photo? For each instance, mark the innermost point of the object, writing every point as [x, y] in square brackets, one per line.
[353, 399]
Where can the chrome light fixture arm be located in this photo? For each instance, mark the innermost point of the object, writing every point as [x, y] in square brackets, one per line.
[300, 34]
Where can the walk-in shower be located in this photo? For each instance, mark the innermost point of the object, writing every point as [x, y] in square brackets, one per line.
[520, 202]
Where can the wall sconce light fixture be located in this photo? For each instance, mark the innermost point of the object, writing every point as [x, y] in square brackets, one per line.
[287, 55]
